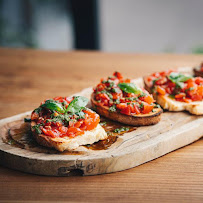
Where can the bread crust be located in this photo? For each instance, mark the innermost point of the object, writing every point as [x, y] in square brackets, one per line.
[138, 120]
[197, 73]
[62, 144]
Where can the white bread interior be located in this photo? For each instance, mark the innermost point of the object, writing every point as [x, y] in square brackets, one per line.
[67, 143]
[170, 104]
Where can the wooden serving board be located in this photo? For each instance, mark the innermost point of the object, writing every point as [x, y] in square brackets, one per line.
[175, 130]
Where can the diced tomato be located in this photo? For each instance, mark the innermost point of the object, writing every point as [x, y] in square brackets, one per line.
[137, 111]
[60, 99]
[100, 87]
[199, 80]
[126, 111]
[161, 90]
[121, 106]
[180, 96]
[118, 75]
[73, 131]
[161, 81]
[78, 123]
[156, 75]
[168, 90]
[147, 108]
[69, 99]
[124, 108]
[71, 123]
[149, 79]
[149, 99]
[102, 96]
[187, 100]
[63, 129]
[200, 90]
[92, 121]
[190, 84]
[127, 81]
[196, 97]
[51, 133]
[117, 95]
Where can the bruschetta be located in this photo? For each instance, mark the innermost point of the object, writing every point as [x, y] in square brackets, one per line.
[176, 91]
[121, 100]
[198, 71]
[64, 123]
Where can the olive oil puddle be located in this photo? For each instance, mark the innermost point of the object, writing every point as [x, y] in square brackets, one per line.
[20, 135]
[113, 130]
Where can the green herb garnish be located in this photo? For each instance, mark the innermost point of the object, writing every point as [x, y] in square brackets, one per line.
[37, 129]
[103, 123]
[117, 101]
[154, 81]
[129, 88]
[141, 105]
[77, 104]
[157, 106]
[178, 79]
[172, 96]
[37, 110]
[53, 105]
[189, 89]
[119, 130]
[81, 115]
[142, 95]
[115, 90]
[112, 108]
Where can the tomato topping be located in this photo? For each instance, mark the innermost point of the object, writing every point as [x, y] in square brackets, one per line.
[161, 90]
[180, 96]
[147, 108]
[55, 124]
[182, 87]
[149, 99]
[122, 95]
[118, 75]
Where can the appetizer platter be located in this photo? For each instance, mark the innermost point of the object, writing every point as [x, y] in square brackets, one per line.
[116, 125]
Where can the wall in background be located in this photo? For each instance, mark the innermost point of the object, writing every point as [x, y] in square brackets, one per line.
[151, 25]
[124, 25]
[43, 24]
[53, 26]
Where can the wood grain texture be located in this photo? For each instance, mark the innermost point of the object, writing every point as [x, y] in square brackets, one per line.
[176, 177]
[144, 144]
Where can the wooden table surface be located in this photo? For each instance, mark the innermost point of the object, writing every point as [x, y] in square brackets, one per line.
[27, 77]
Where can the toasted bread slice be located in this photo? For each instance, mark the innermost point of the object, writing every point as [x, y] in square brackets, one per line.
[138, 120]
[67, 143]
[172, 105]
[198, 73]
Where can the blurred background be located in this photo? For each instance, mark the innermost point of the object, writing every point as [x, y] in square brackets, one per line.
[144, 26]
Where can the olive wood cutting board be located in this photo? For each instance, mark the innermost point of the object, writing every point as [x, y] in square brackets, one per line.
[175, 130]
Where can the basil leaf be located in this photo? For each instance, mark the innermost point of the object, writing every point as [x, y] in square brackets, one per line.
[53, 105]
[178, 77]
[130, 88]
[77, 104]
